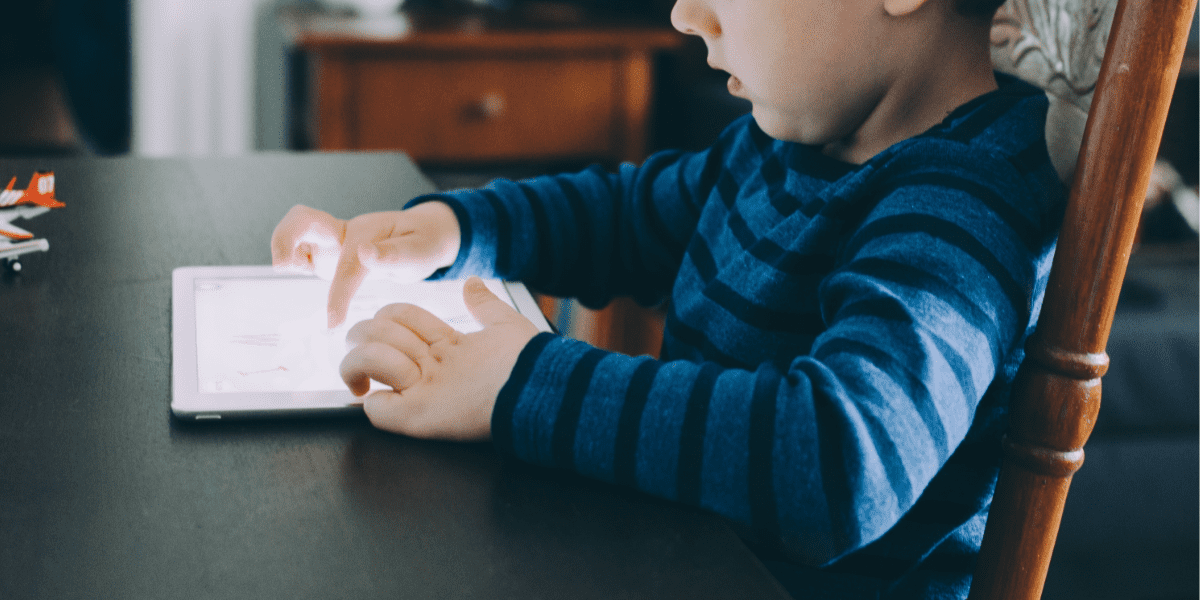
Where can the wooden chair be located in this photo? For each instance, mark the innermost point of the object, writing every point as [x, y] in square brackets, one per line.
[1058, 44]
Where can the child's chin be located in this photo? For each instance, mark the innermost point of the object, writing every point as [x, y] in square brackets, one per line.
[774, 125]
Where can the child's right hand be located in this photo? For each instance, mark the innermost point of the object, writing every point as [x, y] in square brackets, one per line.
[409, 245]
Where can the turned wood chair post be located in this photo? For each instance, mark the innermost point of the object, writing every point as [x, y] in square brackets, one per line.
[1057, 394]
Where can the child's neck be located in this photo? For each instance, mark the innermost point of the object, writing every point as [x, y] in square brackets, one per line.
[943, 72]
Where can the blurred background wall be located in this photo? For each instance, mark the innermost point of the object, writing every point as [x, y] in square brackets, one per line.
[64, 76]
[193, 76]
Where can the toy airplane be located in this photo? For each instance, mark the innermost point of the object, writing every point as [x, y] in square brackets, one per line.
[34, 200]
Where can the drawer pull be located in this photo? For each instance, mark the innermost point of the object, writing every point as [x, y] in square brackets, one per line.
[490, 106]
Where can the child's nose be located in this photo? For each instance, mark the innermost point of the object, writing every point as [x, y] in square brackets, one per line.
[694, 17]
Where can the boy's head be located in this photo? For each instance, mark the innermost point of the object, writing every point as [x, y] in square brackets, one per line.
[853, 72]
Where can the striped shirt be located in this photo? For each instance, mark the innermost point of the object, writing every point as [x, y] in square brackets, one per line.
[839, 343]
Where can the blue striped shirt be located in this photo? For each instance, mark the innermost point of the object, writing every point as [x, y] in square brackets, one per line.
[839, 341]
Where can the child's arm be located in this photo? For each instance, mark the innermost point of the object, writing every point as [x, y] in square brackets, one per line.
[537, 231]
[825, 450]
[822, 452]
[591, 235]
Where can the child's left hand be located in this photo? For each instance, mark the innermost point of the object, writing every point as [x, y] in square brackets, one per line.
[444, 382]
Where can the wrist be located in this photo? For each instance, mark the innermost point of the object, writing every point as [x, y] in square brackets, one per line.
[448, 233]
[439, 220]
[471, 258]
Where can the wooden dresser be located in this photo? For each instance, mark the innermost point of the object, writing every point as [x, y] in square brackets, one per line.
[480, 87]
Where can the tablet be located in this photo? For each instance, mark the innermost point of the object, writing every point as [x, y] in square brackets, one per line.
[249, 342]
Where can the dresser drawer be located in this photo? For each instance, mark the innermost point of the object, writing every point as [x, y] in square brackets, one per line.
[464, 109]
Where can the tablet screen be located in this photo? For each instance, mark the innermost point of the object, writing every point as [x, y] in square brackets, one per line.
[269, 334]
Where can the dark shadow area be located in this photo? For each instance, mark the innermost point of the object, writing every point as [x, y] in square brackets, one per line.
[65, 78]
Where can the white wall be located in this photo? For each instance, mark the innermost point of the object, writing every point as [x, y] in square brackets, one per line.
[193, 76]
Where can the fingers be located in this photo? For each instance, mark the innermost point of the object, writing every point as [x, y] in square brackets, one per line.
[419, 321]
[402, 412]
[387, 410]
[381, 362]
[305, 238]
[386, 351]
[298, 261]
[391, 333]
[444, 383]
[409, 245]
[484, 305]
[356, 260]
[351, 269]
[393, 348]
[419, 414]
[283, 242]
[347, 278]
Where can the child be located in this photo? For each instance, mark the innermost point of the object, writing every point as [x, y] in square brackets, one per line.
[852, 271]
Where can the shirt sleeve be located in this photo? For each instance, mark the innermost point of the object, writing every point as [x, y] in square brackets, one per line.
[591, 235]
[826, 451]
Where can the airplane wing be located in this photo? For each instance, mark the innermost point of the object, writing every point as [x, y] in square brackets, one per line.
[8, 215]
[12, 250]
[12, 231]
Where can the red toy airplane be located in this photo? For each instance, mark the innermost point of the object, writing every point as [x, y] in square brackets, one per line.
[39, 196]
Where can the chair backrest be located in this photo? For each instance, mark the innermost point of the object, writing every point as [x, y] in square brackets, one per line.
[1057, 45]
[1056, 397]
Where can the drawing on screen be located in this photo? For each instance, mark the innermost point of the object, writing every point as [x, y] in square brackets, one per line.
[271, 335]
[266, 339]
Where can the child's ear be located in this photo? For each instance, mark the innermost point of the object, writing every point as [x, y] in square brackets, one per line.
[900, 8]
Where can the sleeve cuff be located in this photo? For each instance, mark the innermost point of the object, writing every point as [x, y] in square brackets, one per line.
[506, 400]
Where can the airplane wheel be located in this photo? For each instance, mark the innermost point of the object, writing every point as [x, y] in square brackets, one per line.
[14, 265]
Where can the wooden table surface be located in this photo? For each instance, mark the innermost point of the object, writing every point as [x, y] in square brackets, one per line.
[104, 494]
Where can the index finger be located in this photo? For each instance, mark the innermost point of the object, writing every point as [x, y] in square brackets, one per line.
[347, 278]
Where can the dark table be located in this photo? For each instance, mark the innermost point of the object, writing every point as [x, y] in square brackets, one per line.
[104, 495]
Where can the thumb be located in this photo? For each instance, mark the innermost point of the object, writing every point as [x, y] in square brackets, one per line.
[484, 305]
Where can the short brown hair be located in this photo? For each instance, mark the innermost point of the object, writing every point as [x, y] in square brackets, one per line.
[981, 9]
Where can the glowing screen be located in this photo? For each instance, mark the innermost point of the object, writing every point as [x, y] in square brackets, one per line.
[270, 334]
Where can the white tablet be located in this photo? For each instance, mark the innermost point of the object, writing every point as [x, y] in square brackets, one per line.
[248, 342]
